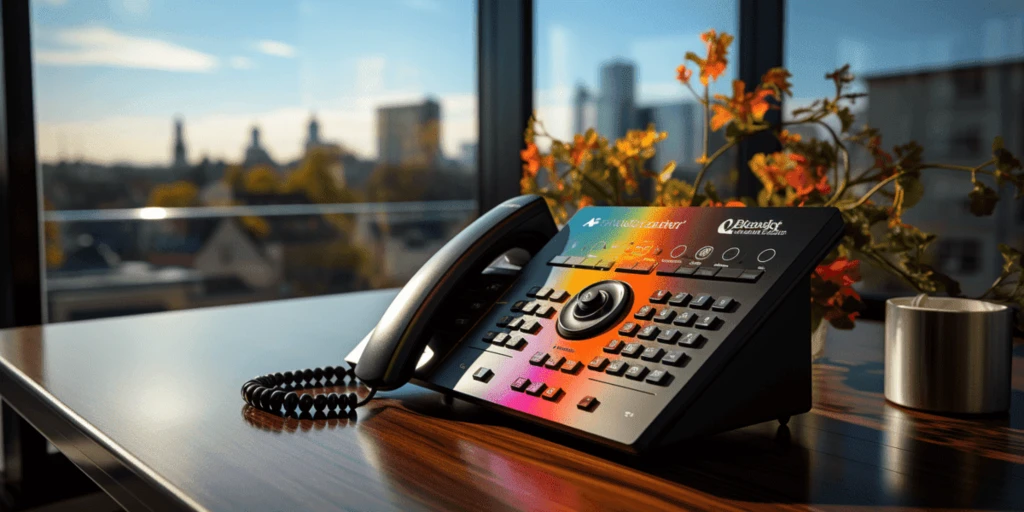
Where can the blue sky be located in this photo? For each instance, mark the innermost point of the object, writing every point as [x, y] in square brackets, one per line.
[111, 74]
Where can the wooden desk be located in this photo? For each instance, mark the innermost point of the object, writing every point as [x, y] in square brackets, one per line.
[149, 408]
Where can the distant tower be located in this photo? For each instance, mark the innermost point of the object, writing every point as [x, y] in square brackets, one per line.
[616, 108]
[255, 154]
[580, 123]
[180, 159]
[313, 133]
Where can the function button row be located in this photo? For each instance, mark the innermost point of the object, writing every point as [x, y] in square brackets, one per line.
[707, 272]
[556, 362]
[522, 384]
[518, 323]
[683, 299]
[652, 332]
[636, 267]
[591, 263]
[621, 368]
[504, 339]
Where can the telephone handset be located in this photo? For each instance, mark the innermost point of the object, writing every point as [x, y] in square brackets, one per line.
[631, 326]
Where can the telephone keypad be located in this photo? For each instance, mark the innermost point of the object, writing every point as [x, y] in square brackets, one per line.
[665, 315]
[489, 336]
[707, 322]
[517, 306]
[613, 346]
[520, 384]
[680, 299]
[500, 338]
[515, 324]
[555, 362]
[660, 296]
[536, 388]
[530, 307]
[504, 321]
[633, 350]
[617, 368]
[539, 292]
[598, 363]
[629, 329]
[723, 304]
[530, 327]
[659, 377]
[636, 372]
[702, 302]
[552, 394]
[652, 354]
[545, 311]
[571, 366]
[539, 358]
[685, 319]
[692, 339]
[559, 295]
[644, 313]
[674, 358]
[669, 336]
[649, 333]
[516, 343]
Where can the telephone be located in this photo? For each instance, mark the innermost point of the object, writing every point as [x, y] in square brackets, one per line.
[633, 327]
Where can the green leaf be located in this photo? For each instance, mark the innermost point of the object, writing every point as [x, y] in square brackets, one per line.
[846, 117]
[913, 188]
[983, 199]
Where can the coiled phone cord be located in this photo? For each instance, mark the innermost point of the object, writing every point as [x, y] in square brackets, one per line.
[276, 392]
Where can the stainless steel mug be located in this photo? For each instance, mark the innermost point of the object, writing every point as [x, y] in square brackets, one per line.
[948, 355]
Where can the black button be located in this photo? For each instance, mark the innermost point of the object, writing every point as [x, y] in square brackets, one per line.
[659, 377]
[685, 270]
[516, 343]
[536, 388]
[571, 366]
[633, 350]
[679, 299]
[530, 307]
[636, 372]
[692, 339]
[554, 363]
[489, 336]
[669, 336]
[590, 301]
[617, 368]
[705, 272]
[628, 329]
[539, 292]
[483, 374]
[533, 291]
[552, 394]
[707, 322]
[503, 322]
[613, 346]
[574, 260]
[644, 313]
[500, 338]
[530, 326]
[539, 358]
[558, 260]
[587, 403]
[545, 311]
[559, 295]
[723, 304]
[686, 318]
[702, 302]
[649, 333]
[517, 306]
[660, 296]
[674, 358]
[520, 384]
[589, 262]
[516, 323]
[666, 269]
[729, 273]
[652, 354]
[665, 315]
[598, 363]
[751, 276]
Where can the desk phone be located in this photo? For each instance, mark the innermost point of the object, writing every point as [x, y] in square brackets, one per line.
[630, 326]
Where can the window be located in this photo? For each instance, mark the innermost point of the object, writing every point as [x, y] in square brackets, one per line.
[611, 67]
[924, 66]
[200, 153]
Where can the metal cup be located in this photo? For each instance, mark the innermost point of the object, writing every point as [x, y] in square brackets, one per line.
[948, 355]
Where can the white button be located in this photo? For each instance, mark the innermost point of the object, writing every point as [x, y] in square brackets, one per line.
[678, 251]
[730, 254]
[704, 252]
[766, 256]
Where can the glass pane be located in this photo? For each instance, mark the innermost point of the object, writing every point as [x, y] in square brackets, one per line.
[612, 67]
[948, 75]
[199, 153]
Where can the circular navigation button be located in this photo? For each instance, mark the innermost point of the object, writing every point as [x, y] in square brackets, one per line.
[678, 251]
[704, 252]
[730, 254]
[766, 255]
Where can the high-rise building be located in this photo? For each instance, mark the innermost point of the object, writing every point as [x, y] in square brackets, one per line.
[409, 134]
[313, 133]
[180, 156]
[255, 154]
[616, 104]
[581, 115]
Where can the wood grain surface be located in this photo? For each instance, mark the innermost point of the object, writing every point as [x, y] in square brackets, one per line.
[149, 407]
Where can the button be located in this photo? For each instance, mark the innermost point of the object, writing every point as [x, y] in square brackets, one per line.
[598, 363]
[633, 350]
[644, 313]
[625, 266]
[590, 301]
[539, 358]
[723, 304]
[574, 261]
[483, 374]
[675, 358]
[667, 269]
[660, 296]
[751, 276]
[500, 338]
[617, 368]
[518, 305]
[649, 333]
[554, 363]
[644, 267]
[659, 378]
[707, 322]
[686, 319]
[665, 315]
[613, 346]
[590, 262]
[604, 265]
[558, 261]
[520, 384]
[685, 270]
[516, 343]
[652, 354]
[517, 323]
[571, 366]
[539, 292]
[702, 302]
[503, 322]
[587, 403]
[559, 295]
[536, 388]
[766, 255]
[628, 329]
[677, 251]
[636, 372]
[692, 339]
[730, 254]
[530, 326]
[669, 336]
[730, 274]
[679, 299]
[552, 394]
[705, 272]
[489, 336]
[545, 311]
[530, 307]
[704, 252]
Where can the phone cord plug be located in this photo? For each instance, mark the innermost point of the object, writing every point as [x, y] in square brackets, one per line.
[278, 393]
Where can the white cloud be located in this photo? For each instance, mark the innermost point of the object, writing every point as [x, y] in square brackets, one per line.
[423, 5]
[101, 46]
[276, 48]
[239, 62]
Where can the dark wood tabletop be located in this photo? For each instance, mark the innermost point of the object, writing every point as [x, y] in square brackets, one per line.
[149, 407]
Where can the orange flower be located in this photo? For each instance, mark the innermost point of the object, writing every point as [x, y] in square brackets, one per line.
[842, 272]
[804, 180]
[777, 79]
[533, 160]
[786, 137]
[579, 149]
[683, 74]
[744, 108]
[788, 169]
[585, 201]
[727, 204]
[712, 66]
